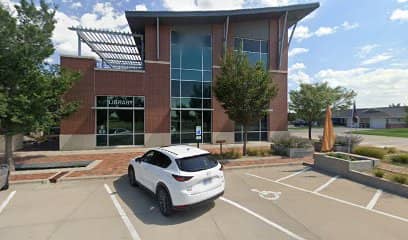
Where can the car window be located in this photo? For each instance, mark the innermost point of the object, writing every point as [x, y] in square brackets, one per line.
[148, 157]
[196, 163]
[157, 159]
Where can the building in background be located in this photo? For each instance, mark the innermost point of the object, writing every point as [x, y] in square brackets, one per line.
[382, 117]
[153, 86]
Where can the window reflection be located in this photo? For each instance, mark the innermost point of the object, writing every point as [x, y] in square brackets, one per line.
[119, 120]
[191, 77]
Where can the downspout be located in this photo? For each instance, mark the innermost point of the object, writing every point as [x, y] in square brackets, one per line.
[157, 39]
[226, 35]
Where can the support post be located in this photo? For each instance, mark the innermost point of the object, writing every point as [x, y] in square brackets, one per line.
[226, 35]
[79, 45]
[291, 34]
[282, 39]
[157, 39]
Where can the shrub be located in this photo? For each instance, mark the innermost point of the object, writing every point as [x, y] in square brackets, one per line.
[253, 152]
[379, 173]
[288, 141]
[399, 158]
[399, 179]
[343, 156]
[232, 154]
[345, 140]
[374, 152]
[391, 150]
[260, 152]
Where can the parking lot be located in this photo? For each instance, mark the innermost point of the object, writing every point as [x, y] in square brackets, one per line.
[285, 202]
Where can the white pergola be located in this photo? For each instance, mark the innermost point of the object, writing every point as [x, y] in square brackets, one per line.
[116, 49]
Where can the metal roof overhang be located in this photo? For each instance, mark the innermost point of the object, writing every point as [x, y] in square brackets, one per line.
[137, 19]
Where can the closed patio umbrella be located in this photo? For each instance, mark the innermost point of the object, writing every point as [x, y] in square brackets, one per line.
[329, 136]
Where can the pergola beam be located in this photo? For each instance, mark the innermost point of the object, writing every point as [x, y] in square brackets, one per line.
[113, 47]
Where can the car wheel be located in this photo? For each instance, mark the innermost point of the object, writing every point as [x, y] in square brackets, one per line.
[131, 176]
[164, 201]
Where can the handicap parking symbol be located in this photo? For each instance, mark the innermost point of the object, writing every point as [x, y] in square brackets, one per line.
[268, 195]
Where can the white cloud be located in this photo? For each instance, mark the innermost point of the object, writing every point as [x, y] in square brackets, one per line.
[302, 32]
[323, 31]
[399, 15]
[141, 7]
[183, 5]
[296, 51]
[296, 74]
[363, 51]
[348, 26]
[375, 87]
[377, 59]
[76, 5]
[402, 1]
[102, 16]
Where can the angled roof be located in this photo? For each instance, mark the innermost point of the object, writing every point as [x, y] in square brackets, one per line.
[381, 112]
[137, 19]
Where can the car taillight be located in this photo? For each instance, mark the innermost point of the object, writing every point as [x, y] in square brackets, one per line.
[222, 167]
[181, 178]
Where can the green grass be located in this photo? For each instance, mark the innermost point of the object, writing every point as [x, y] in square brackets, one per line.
[390, 132]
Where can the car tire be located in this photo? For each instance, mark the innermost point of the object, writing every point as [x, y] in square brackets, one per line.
[131, 176]
[164, 201]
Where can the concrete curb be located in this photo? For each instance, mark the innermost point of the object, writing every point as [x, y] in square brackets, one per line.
[263, 165]
[69, 179]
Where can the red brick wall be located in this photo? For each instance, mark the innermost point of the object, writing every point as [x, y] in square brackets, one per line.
[278, 118]
[154, 84]
[82, 121]
[220, 121]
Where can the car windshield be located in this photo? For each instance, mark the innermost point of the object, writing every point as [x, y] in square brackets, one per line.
[196, 163]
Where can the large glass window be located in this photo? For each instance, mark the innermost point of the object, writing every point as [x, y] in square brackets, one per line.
[191, 82]
[256, 50]
[257, 131]
[119, 120]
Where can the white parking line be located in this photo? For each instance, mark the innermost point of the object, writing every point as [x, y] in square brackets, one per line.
[294, 174]
[331, 198]
[263, 219]
[4, 204]
[122, 214]
[326, 184]
[374, 200]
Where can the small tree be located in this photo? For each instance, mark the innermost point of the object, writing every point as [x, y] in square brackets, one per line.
[244, 91]
[406, 116]
[30, 91]
[310, 101]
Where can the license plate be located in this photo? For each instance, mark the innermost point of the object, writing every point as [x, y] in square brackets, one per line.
[207, 181]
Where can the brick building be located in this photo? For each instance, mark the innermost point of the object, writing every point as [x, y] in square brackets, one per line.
[152, 86]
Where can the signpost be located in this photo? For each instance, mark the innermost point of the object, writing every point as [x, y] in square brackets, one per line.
[198, 134]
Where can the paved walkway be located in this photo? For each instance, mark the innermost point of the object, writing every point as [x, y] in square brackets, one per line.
[114, 162]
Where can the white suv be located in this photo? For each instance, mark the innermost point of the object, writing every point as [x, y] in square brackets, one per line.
[179, 176]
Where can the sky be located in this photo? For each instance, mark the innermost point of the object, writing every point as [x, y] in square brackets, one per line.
[358, 44]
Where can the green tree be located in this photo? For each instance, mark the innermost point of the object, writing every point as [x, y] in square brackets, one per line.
[30, 90]
[310, 101]
[244, 91]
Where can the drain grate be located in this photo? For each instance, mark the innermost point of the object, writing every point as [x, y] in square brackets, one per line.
[52, 165]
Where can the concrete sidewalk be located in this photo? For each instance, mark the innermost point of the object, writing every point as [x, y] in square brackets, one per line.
[115, 163]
